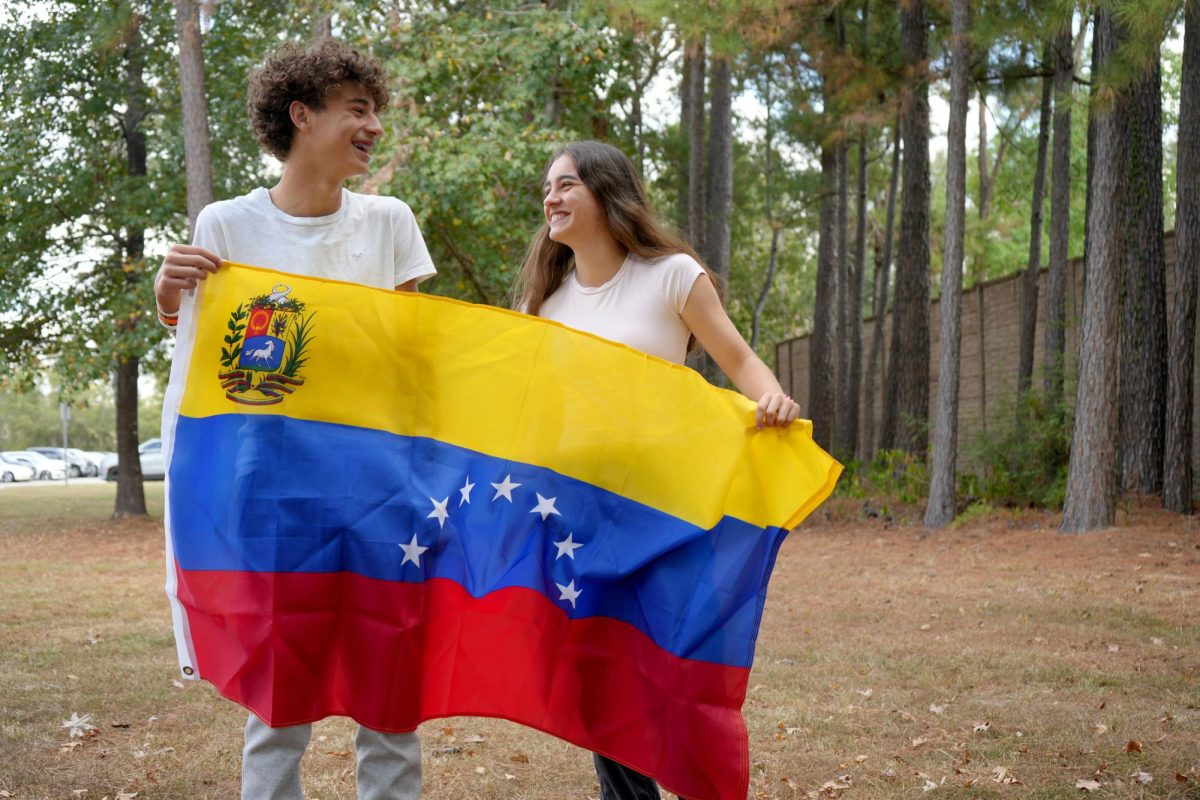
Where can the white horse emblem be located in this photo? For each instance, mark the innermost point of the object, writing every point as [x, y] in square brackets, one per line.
[262, 354]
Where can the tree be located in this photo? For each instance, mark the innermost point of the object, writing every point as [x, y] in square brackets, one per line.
[198, 154]
[1060, 216]
[941, 508]
[1177, 460]
[718, 194]
[883, 263]
[1143, 371]
[907, 397]
[692, 121]
[1029, 285]
[1092, 476]
[821, 384]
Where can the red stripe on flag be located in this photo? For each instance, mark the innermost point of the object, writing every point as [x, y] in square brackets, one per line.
[297, 647]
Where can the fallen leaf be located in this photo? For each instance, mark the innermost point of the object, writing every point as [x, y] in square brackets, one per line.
[178, 684]
[920, 740]
[1156, 641]
[929, 786]
[1087, 785]
[67, 747]
[1144, 778]
[126, 795]
[926, 626]
[519, 758]
[859, 759]
[982, 727]
[936, 709]
[476, 739]
[1002, 775]
[447, 731]
[509, 776]
[78, 726]
[480, 770]
[866, 692]
[1134, 746]
[1099, 729]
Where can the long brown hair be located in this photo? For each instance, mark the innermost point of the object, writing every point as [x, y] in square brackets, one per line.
[610, 175]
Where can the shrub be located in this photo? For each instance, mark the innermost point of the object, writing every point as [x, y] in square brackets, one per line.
[1021, 460]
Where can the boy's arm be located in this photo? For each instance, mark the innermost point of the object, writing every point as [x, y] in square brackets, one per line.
[407, 286]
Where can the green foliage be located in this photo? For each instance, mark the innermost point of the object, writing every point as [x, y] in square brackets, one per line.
[300, 337]
[31, 418]
[1021, 459]
[236, 324]
[892, 475]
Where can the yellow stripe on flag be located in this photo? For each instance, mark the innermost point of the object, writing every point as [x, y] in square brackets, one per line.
[521, 388]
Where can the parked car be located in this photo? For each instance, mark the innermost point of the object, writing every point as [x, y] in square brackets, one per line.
[75, 460]
[95, 458]
[13, 470]
[149, 453]
[46, 469]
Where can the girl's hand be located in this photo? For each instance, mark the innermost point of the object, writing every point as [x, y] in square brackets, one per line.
[776, 409]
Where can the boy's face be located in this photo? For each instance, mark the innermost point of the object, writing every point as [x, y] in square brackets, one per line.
[342, 134]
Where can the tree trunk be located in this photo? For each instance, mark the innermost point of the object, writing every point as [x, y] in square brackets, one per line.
[1177, 460]
[843, 446]
[883, 265]
[322, 26]
[942, 494]
[1054, 362]
[131, 498]
[719, 187]
[1029, 285]
[694, 120]
[1143, 371]
[776, 230]
[908, 374]
[820, 348]
[1091, 481]
[857, 272]
[197, 153]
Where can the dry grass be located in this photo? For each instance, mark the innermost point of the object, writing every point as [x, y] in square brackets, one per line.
[884, 652]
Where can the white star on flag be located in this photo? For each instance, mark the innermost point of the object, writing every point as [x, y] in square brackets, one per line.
[567, 547]
[439, 511]
[569, 592]
[412, 552]
[504, 489]
[465, 491]
[545, 507]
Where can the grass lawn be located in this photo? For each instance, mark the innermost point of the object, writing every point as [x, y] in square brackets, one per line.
[996, 660]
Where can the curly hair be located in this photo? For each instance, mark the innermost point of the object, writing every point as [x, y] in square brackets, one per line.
[308, 74]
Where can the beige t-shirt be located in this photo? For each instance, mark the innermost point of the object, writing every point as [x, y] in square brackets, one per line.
[640, 306]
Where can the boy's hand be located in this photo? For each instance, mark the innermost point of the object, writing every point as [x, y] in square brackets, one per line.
[183, 268]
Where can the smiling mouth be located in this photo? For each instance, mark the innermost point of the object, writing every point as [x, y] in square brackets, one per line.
[558, 215]
[362, 147]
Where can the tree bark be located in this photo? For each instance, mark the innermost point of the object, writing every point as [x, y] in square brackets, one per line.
[942, 494]
[1092, 477]
[1060, 218]
[1177, 459]
[908, 374]
[131, 498]
[820, 349]
[1029, 285]
[197, 152]
[1143, 371]
[883, 265]
[693, 112]
[857, 272]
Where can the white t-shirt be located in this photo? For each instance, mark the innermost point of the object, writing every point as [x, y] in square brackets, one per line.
[639, 306]
[370, 239]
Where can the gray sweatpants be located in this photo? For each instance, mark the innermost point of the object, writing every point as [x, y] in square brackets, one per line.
[389, 764]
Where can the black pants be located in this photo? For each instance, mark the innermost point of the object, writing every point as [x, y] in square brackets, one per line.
[619, 782]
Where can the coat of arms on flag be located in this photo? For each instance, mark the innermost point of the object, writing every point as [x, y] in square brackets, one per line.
[264, 348]
[490, 514]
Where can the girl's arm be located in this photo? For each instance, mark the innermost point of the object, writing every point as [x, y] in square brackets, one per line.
[706, 318]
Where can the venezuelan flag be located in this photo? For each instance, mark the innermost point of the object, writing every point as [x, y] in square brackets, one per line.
[397, 507]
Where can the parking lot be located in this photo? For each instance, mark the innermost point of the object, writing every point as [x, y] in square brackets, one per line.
[51, 484]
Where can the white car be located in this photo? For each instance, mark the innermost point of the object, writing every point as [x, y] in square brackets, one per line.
[75, 460]
[13, 470]
[46, 469]
[149, 453]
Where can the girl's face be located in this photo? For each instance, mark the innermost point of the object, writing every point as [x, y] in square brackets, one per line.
[572, 210]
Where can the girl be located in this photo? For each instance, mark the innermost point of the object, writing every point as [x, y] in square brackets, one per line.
[603, 263]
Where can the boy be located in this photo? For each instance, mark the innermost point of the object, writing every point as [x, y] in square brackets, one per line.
[315, 110]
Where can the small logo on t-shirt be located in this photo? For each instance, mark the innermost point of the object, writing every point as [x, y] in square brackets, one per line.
[359, 253]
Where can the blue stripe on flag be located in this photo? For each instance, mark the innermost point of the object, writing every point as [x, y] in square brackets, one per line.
[268, 493]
